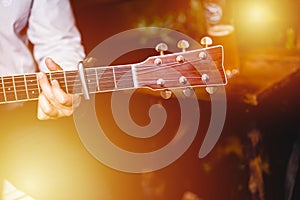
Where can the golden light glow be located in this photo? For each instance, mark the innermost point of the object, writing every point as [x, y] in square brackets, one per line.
[260, 23]
[258, 13]
[10, 192]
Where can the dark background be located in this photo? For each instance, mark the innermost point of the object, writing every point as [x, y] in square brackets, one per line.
[224, 173]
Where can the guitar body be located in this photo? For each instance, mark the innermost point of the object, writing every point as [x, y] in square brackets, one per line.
[47, 160]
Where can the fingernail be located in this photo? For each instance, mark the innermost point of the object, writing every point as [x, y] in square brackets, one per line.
[48, 59]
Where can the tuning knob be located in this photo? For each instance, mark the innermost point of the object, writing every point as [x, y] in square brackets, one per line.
[183, 44]
[206, 41]
[161, 48]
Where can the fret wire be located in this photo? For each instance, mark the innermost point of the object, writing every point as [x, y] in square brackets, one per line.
[114, 76]
[14, 85]
[105, 78]
[25, 83]
[31, 87]
[98, 86]
[72, 77]
[39, 89]
[134, 76]
[66, 85]
[59, 76]
[3, 87]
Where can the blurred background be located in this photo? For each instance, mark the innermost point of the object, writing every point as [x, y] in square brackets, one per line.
[255, 157]
[258, 153]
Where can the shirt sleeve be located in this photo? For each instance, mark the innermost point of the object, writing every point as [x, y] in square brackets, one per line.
[53, 33]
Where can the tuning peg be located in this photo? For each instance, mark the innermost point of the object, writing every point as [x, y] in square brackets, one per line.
[166, 94]
[206, 41]
[183, 44]
[161, 47]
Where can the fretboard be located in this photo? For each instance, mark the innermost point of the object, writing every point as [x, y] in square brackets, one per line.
[98, 79]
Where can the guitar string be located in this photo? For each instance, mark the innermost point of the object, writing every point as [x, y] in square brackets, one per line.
[148, 70]
[141, 70]
[93, 83]
[11, 92]
[144, 70]
[91, 86]
[61, 75]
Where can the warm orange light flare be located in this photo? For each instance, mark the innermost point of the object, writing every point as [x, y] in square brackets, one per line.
[257, 13]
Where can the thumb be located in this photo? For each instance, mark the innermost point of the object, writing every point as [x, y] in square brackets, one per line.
[52, 66]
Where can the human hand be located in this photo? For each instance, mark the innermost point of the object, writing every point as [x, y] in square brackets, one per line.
[53, 102]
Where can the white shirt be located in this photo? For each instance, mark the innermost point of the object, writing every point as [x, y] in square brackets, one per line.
[48, 24]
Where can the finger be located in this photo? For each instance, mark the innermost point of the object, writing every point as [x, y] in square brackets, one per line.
[41, 115]
[62, 97]
[45, 108]
[52, 66]
[45, 86]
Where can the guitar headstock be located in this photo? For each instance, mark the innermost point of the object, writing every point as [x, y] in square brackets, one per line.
[194, 68]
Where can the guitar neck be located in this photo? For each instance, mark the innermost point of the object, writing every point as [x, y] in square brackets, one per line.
[196, 68]
[100, 79]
